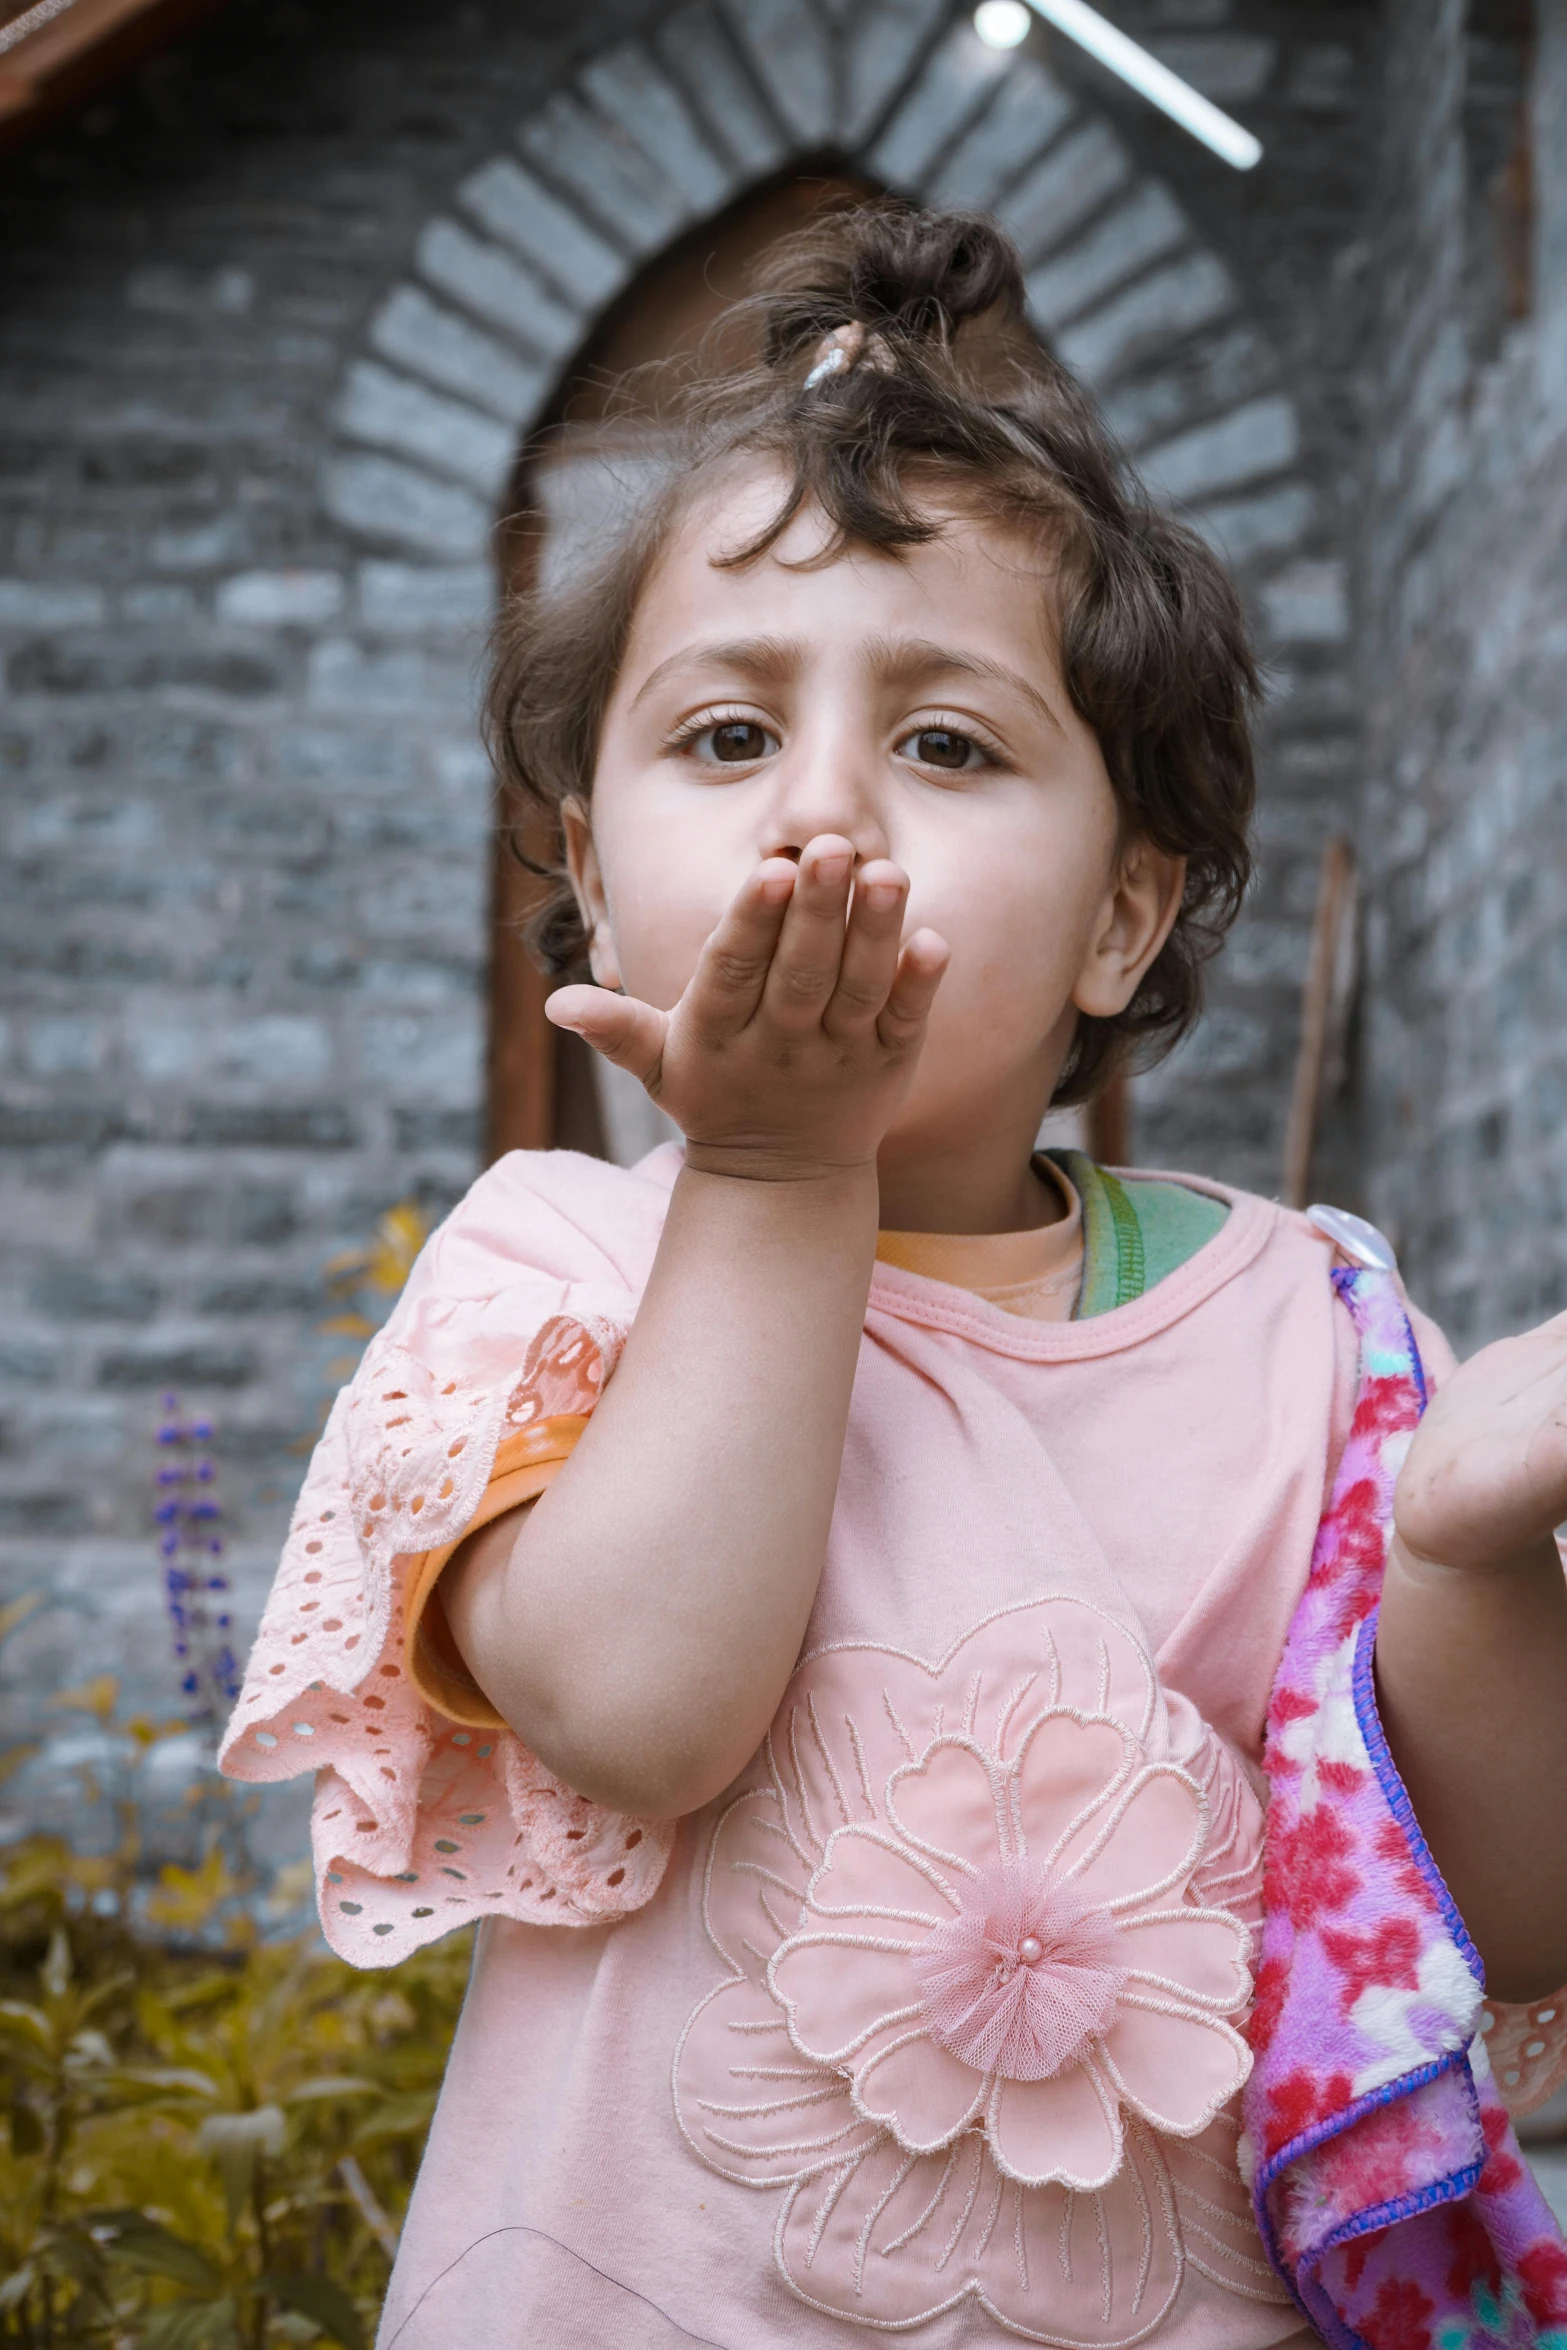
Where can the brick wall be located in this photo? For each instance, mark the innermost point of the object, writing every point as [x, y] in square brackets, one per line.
[1463, 597]
[246, 818]
[271, 320]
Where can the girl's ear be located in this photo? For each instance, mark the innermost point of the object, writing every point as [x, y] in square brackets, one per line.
[1134, 921]
[587, 882]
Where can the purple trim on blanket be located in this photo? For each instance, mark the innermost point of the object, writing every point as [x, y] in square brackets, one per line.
[1337, 2330]
[1344, 1278]
[1397, 1794]
[1452, 2189]
[1435, 2191]
[1334, 2125]
[1330, 2325]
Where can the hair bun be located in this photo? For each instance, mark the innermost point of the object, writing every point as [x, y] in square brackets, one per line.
[904, 274]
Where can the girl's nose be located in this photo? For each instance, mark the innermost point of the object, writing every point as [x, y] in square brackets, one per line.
[826, 791]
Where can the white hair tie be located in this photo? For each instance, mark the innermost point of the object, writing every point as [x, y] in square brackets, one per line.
[835, 353]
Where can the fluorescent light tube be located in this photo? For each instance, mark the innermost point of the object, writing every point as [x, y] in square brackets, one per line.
[31, 20]
[1153, 81]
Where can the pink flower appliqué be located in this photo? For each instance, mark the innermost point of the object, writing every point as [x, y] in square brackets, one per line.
[1022, 1977]
[1014, 1948]
[985, 1933]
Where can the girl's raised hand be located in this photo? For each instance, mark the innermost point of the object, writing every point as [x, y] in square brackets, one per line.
[1485, 1479]
[798, 1034]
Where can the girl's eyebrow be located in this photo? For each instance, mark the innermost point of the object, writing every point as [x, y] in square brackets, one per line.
[907, 661]
[766, 659]
[919, 661]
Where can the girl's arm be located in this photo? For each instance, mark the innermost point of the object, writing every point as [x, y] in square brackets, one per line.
[1472, 1652]
[637, 1625]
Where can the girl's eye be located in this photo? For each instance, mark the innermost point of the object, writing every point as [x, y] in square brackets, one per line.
[733, 741]
[943, 746]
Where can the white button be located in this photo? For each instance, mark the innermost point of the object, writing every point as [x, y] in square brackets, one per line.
[1361, 1242]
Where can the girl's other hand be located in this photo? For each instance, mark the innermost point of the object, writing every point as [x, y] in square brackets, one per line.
[1471, 1654]
[790, 1050]
[1485, 1480]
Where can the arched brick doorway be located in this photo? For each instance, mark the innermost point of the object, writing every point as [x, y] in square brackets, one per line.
[522, 274]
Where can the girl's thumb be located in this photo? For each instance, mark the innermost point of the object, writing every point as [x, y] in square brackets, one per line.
[629, 1033]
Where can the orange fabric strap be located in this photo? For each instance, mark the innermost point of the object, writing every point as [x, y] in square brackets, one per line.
[524, 1464]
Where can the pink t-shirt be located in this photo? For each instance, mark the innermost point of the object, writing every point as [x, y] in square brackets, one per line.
[930, 2022]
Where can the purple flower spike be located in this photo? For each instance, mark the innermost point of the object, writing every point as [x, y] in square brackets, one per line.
[189, 1515]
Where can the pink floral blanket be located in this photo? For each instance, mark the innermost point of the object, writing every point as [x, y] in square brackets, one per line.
[1387, 2181]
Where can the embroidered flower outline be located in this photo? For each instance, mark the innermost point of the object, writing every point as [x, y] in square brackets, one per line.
[983, 1932]
[1013, 1950]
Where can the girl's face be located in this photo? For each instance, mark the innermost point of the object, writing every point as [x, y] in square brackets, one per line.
[913, 704]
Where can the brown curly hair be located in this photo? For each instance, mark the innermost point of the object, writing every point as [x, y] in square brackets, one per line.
[950, 394]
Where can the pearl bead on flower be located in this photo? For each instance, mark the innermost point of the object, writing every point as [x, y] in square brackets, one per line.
[1030, 1949]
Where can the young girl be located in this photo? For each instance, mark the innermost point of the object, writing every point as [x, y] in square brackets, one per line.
[836, 1601]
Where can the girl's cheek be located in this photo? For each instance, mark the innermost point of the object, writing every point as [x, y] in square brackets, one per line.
[662, 945]
[1002, 938]
[659, 974]
[664, 900]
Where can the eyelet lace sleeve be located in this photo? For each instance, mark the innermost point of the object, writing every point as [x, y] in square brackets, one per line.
[419, 1823]
[1527, 2047]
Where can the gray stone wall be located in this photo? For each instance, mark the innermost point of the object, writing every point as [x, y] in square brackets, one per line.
[1462, 591]
[271, 322]
[246, 820]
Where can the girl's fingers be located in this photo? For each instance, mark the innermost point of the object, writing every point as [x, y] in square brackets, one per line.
[810, 945]
[732, 969]
[869, 960]
[629, 1033]
[921, 967]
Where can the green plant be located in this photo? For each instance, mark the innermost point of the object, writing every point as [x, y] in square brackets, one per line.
[210, 2138]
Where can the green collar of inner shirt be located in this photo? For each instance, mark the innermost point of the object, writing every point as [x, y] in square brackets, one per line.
[1135, 1231]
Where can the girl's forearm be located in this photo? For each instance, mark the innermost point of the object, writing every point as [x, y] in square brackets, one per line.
[638, 1626]
[1471, 1676]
